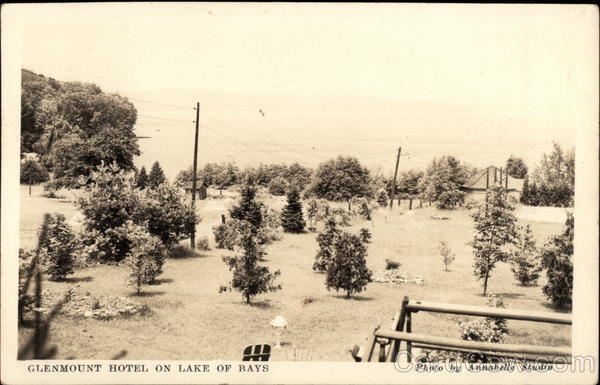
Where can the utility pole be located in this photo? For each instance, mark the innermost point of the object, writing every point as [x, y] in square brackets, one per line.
[195, 168]
[395, 175]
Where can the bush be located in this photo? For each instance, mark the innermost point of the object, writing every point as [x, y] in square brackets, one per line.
[278, 186]
[391, 264]
[291, 215]
[450, 199]
[341, 216]
[524, 261]
[489, 329]
[270, 229]
[202, 243]
[113, 199]
[447, 255]
[146, 256]
[382, 198]
[57, 248]
[557, 259]
[348, 270]
[364, 208]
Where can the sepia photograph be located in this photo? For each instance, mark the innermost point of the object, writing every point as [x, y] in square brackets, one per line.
[299, 193]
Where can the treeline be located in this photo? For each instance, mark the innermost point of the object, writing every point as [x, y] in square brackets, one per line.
[75, 127]
[553, 181]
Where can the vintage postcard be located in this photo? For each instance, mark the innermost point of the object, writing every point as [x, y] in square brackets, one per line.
[299, 193]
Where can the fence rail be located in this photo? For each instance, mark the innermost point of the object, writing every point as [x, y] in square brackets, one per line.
[389, 340]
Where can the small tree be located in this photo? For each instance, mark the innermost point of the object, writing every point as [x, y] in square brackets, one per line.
[447, 255]
[515, 167]
[33, 173]
[495, 226]
[312, 211]
[557, 259]
[156, 176]
[326, 240]
[248, 209]
[145, 258]
[348, 270]
[141, 179]
[382, 198]
[57, 248]
[249, 278]
[364, 208]
[524, 261]
[291, 215]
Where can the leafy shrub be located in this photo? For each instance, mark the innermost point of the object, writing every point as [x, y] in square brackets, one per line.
[347, 269]
[382, 198]
[270, 229]
[229, 235]
[391, 264]
[202, 243]
[146, 256]
[57, 248]
[341, 216]
[113, 199]
[278, 186]
[447, 255]
[326, 240]
[488, 329]
[557, 259]
[450, 199]
[365, 209]
[524, 261]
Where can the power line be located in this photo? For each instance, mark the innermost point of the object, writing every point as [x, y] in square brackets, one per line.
[159, 104]
[262, 139]
[237, 141]
[157, 117]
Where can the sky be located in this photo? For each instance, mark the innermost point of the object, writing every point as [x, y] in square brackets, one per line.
[480, 81]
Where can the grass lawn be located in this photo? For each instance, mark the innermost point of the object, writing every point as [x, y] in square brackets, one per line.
[192, 321]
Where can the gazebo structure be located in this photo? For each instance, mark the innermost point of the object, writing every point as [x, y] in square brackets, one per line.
[490, 176]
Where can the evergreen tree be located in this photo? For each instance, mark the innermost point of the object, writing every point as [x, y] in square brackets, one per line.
[291, 215]
[250, 278]
[524, 261]
[325, 240]
[348, 270]
[141, 179]
[248, 209]
[57, 248]
[495, 225]
[156, 176]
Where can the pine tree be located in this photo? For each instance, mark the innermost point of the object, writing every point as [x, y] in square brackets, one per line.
[250, 278]
[141, 179]
[291, 215]
[524, 261]
[348, 270]
[156, 176]
[248, 209]
[57, 248]
[495, 225]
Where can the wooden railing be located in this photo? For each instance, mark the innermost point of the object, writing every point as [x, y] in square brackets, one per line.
[389, 340]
